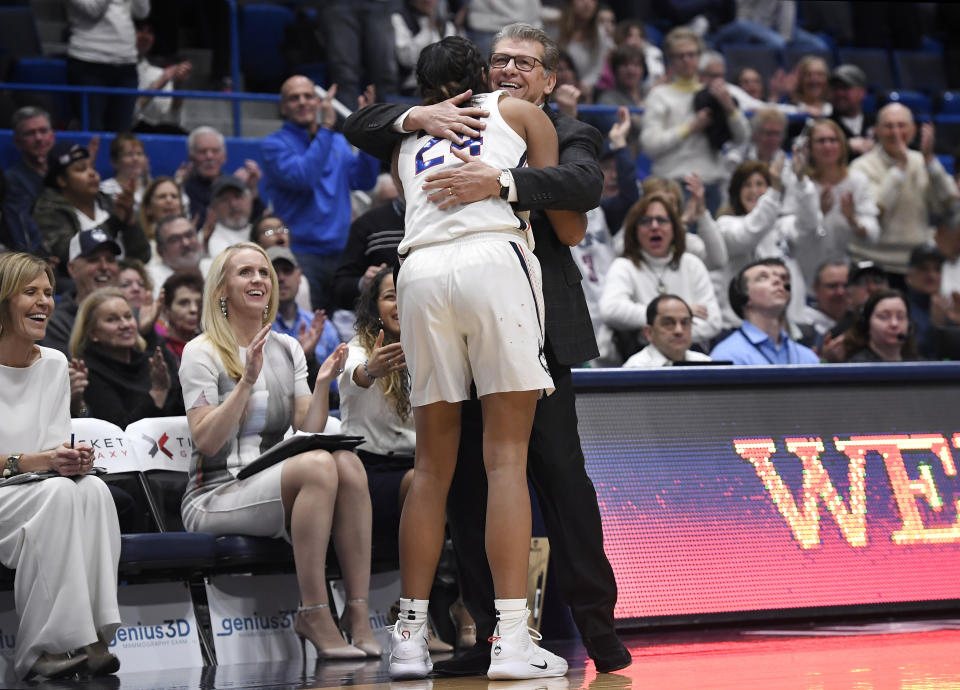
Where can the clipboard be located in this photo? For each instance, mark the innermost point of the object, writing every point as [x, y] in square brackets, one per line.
[296, 444]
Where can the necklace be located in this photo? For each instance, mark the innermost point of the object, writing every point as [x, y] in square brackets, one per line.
[661, 288]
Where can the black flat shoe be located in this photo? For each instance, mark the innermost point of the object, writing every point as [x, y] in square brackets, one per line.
[51, 665]
[608, 653]
[473, 661]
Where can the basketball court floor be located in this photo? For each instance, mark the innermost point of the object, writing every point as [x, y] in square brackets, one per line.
[920, 655]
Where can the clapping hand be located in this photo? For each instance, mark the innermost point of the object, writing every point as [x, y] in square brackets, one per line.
[123, 203]
[927, 136]
[832, 348]
[696, 199]
[325, 110]
[701, 120]
[368, 96]
[826, 199]
[250, 173]
[309, 337]
[254, 363]
[776, 173]
[618, 132]
[78, 381]
[331, 368]
[159, 378]
[567, 97]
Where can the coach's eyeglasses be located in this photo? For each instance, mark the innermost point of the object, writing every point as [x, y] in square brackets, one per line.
[524, 63]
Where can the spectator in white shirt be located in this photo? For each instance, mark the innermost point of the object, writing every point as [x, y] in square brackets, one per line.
[158, 114]
[228, 216]
[669, 332]
[654, 263]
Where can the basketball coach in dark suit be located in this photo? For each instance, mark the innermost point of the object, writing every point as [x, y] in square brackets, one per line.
[523, 62]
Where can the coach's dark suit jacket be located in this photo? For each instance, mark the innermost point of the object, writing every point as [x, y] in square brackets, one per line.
[575, 186]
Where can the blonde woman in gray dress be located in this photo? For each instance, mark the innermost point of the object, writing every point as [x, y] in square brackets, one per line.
[243, 387]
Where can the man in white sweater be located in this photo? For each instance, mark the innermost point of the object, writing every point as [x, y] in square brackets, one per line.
[910, 187]
[674, 133]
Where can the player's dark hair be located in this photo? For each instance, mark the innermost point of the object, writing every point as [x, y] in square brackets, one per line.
[448, 67]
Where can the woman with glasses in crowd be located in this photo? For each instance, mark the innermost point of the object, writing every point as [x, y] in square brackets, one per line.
[654, 263]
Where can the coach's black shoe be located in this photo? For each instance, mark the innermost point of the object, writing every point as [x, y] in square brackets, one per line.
[473, 661]
[608, 653]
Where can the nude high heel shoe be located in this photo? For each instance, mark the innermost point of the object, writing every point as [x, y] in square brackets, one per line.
[369, 645]
[305, 632]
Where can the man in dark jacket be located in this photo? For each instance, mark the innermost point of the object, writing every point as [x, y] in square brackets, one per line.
[566, 495]
[72, 202]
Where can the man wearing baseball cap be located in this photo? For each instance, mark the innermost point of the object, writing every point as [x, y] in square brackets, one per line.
[315, 333]
[92, 264]
[848, 88]
[72, 202]
[228, 215]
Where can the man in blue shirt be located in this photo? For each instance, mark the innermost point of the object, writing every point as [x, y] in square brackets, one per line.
[310, 170]
[34, 137]
[759, 295]
[316, 335]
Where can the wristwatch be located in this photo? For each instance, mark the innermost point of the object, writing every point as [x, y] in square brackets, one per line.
[12, 465]
[505, 181]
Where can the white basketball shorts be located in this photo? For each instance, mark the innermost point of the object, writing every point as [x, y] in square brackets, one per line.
[471, 309]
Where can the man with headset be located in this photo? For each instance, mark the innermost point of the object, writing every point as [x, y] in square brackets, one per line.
[759, 294]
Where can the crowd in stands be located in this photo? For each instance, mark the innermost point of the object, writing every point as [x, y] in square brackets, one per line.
[781, 222]
[735, 177]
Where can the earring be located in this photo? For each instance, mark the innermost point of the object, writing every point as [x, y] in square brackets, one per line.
[266, 313]
[223, 306]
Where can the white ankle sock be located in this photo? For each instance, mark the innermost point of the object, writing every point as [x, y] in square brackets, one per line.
[413, 613]
[511, 610]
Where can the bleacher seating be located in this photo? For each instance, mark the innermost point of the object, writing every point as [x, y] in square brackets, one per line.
[920, 70]
[875, 62]
[919, 103]
[761, 58]
[261, 35]
[19, 37]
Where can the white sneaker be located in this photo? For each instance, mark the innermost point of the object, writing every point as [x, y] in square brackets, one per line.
[515, 656]
[409, 656]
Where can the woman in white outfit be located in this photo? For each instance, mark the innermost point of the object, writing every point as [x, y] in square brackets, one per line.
[61, 535]
[654, 263]
[471, 308]
[243, 387]
[847, 204]
[756, 226]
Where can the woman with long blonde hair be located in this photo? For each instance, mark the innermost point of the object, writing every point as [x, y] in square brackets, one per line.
[243, 387]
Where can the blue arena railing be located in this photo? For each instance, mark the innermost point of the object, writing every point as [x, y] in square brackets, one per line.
[84, 91]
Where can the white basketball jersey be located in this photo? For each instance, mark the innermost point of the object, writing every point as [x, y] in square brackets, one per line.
[498, 145]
